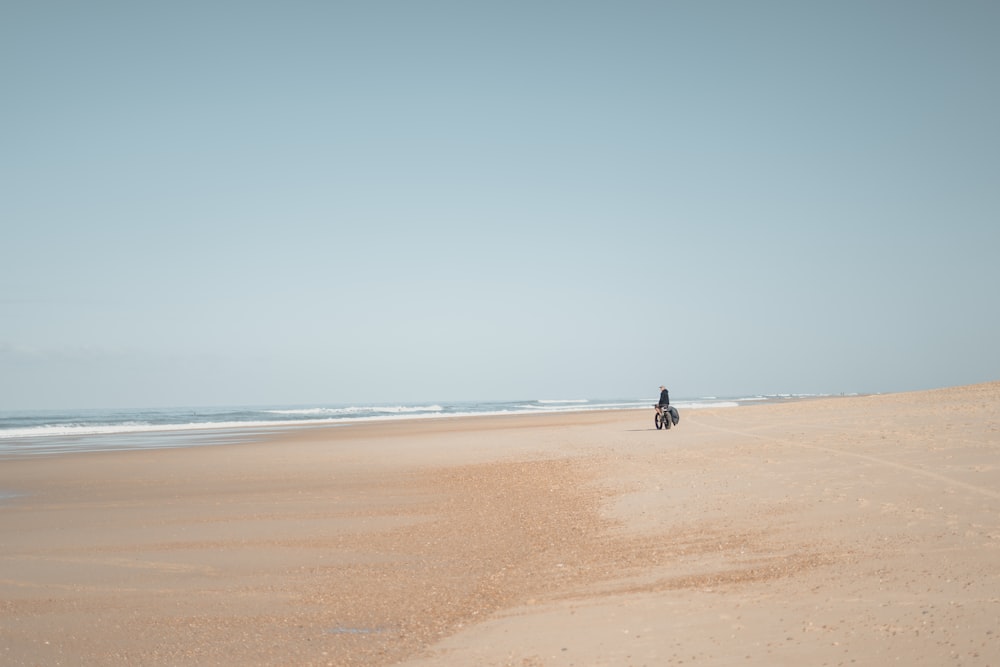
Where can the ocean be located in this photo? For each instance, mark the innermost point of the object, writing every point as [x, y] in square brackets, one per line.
[46, 432]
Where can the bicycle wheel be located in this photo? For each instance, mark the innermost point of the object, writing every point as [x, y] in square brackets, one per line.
[658, 420]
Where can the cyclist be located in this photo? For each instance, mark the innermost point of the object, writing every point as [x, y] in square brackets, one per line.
[664, 401]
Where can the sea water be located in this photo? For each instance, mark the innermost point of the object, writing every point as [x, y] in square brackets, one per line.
[39, 432]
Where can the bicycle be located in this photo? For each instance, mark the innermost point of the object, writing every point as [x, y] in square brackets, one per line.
[662, 418]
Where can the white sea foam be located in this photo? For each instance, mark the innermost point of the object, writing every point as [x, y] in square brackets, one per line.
[699, 405]
[578, 405]
[73, 430]
[358, 410]
[70, 430]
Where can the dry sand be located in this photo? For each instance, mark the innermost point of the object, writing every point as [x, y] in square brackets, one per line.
[847, 531]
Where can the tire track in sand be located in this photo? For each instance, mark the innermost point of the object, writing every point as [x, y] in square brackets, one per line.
[833, 450]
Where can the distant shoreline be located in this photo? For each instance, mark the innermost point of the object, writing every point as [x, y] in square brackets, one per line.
[49, 432]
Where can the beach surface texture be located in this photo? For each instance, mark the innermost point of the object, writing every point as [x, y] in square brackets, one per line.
[836, 531]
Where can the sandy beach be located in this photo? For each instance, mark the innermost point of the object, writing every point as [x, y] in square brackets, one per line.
[839, 531]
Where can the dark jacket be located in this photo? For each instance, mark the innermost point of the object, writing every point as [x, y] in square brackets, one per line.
[664, 397]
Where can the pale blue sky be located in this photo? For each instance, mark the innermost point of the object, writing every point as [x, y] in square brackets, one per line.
[306, 202]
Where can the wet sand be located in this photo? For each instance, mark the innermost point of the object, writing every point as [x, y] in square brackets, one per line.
[859, 530]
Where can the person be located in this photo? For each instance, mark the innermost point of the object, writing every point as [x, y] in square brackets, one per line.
[664, 401]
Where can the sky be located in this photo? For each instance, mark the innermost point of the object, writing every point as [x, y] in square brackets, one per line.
[237, 203]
